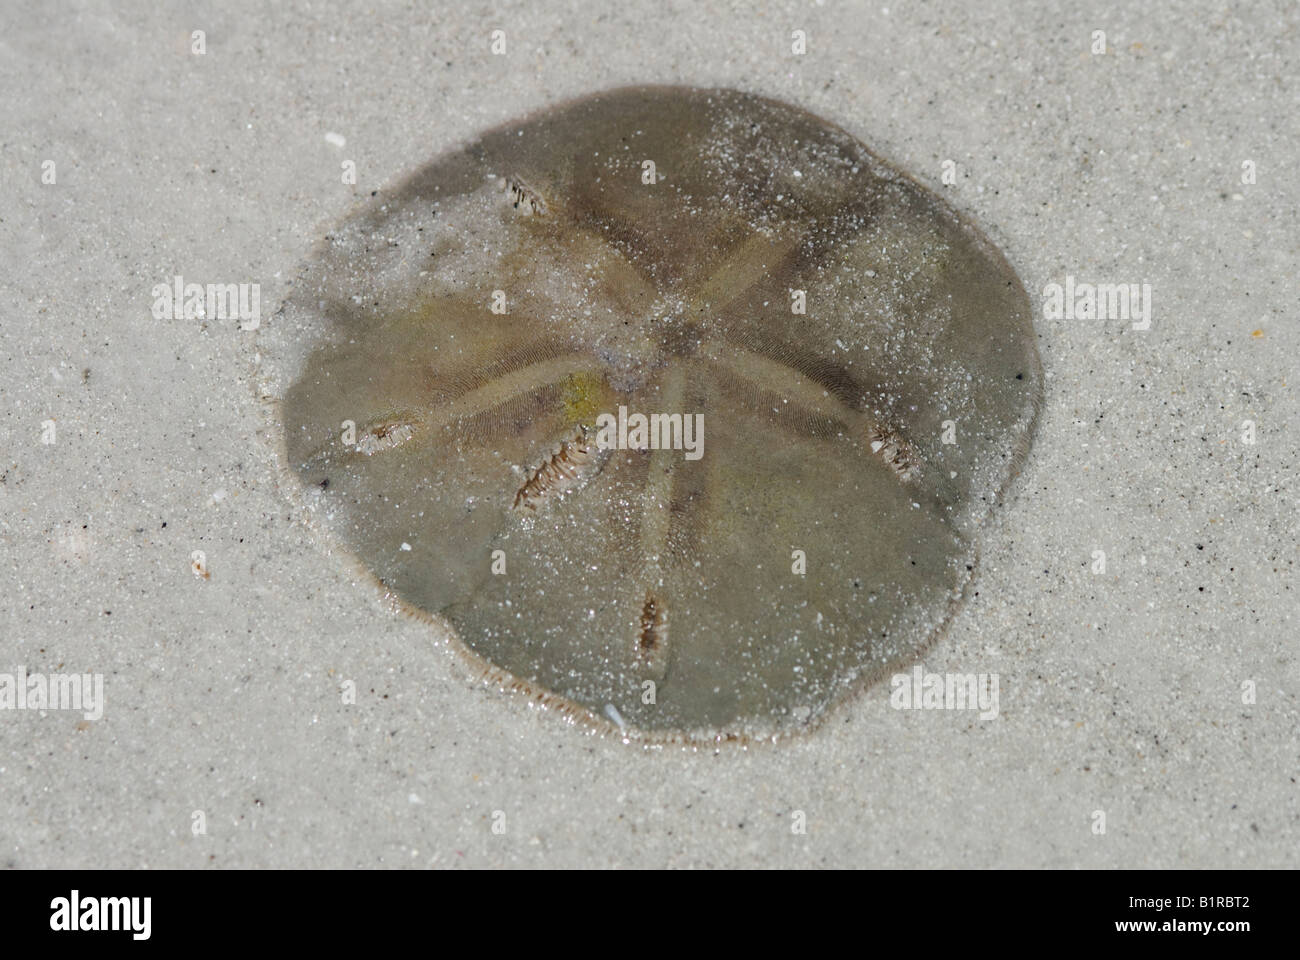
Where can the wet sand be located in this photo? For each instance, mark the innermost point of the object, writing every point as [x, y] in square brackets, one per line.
[1136, 597]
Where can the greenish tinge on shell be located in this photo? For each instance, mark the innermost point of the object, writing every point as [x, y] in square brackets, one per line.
[850, 452]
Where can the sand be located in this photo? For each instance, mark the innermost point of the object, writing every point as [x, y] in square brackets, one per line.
[1147, 710]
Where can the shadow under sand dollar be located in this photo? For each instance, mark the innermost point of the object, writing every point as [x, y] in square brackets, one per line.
[680, 406]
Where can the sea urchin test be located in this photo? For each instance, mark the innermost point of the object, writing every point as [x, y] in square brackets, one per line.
[681, 408]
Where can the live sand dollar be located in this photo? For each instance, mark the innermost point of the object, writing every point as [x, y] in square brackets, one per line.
[681, 407]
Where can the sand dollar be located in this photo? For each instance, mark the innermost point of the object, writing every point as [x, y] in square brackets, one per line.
[682, 408]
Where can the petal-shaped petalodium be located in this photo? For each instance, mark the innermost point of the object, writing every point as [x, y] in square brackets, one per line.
[860, 359]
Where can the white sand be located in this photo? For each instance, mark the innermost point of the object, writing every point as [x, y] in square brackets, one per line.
[1119, 692]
